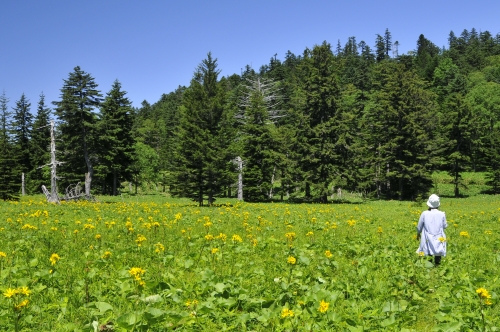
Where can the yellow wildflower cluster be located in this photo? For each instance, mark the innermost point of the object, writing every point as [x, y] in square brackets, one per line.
[98, 236]
[310, 233]
[222, 237]
[488, 232]
[140, 239]
[351, 222]
[28, 226]
[191, 303]
[106, 255]
[214, 251]
[286, 313]
[484, 295]
[379, 230]
[15, 292]
[442, 239]
[137, 273]
[290, 236]
[159, 248]
[2, 254]
[209, 237]
[323, 306]
[464, 234]
[54, 258]
[291, 260]
[236, 238]
[88, 226]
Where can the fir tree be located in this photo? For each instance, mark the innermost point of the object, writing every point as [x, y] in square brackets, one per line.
[79, 98]
[22, 127]
[40, 144]
[202, 161]
[115, 138]
[10, 173]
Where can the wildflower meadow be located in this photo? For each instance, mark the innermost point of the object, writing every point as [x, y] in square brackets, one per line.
[160, 264]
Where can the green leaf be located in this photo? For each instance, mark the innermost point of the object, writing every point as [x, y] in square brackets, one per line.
[219, 287]
[128, 320]
[154, 315]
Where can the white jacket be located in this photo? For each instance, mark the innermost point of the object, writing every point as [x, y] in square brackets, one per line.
[431, 227]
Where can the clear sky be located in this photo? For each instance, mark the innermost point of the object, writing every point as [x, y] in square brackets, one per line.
[153, 46]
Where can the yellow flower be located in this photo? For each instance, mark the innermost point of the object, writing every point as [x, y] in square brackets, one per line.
[483, 293]
[291, 260]
[2, 254]
[286, 313]
[328, 254]
[214, 251]
[10, 292]
[98, 236]
[255, 242]
[22, 304]
[106, 255]
[351, 222]
[379, 230]
[464, 234]
[209, 237]
[24, 290]
[140, 239]
[488, 232]
[54, 258]
[442, 239]
[236, 238]
[323, 306]
[159, 248]
[421, 254]
[310, 233]
[290, 236]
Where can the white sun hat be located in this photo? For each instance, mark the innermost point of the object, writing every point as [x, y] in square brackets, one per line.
[433, 201]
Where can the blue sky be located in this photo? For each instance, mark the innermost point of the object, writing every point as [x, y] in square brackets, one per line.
[152, 47]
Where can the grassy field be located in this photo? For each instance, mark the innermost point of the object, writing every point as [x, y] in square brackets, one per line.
[151, 263]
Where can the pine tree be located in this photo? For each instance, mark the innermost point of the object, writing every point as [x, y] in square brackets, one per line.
[39, 147]
[115, 138]
[10, 173]
[380, 48]
[202, 159]
[387, 42]
[79, 98]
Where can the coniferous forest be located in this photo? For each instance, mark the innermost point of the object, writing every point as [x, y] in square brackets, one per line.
[357, 117]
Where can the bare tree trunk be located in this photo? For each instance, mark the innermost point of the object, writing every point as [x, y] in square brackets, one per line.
[88, 181]
[240, 178]
[23, 189]
[272, 182]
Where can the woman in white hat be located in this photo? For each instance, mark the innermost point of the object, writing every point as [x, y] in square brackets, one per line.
[430, 231]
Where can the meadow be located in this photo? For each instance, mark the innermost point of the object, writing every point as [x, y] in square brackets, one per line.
[152, 263]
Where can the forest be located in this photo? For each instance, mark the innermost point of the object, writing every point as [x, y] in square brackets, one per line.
[346, 117]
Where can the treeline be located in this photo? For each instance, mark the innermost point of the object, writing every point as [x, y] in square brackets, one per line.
[350, 117]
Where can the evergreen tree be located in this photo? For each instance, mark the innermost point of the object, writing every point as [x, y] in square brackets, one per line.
[401, 132]
[22, 127]
[387, 42]
[115, 138]
[10, 173]
[380, 48]
[259, 142]
[39, 147]
[79, 98]
[317, 136]
[426, 60]
[202, 159]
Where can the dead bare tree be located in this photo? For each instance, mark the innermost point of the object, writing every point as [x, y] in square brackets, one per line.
[269, 91]
[52, 196]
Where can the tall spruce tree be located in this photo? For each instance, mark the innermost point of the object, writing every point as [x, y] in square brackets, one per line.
[10, 172]
[22, 127]
[40, 145]
[115, 139]
[401, 132]
[201, 170]
[317, 136]
[75, 111]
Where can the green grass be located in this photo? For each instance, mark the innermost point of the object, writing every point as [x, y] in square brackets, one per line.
[206, 279]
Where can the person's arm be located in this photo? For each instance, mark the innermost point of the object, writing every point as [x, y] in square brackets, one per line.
[445, 224]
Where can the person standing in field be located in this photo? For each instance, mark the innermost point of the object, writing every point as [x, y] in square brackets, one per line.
[430, 231]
